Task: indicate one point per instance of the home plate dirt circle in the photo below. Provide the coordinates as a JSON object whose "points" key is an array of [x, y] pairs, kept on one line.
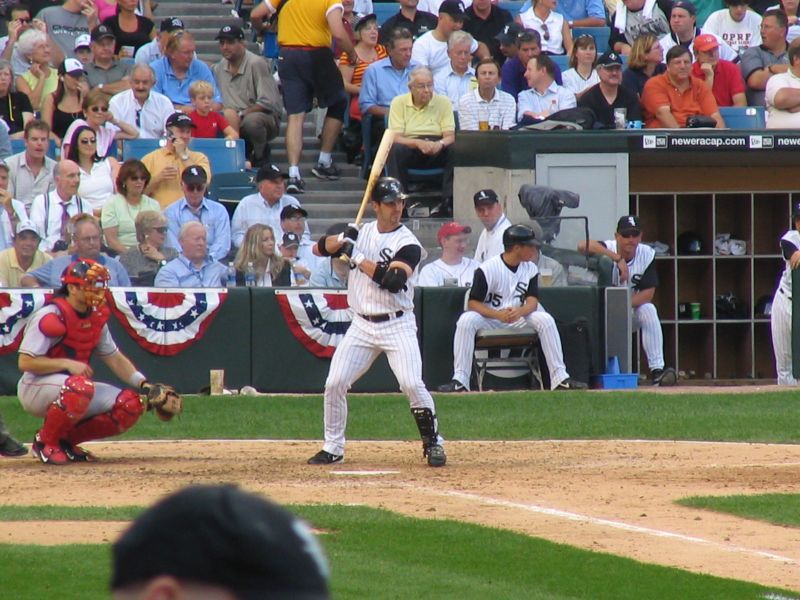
{"points": [[609, 496]]}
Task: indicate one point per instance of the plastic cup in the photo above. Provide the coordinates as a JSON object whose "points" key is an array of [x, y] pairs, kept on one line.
{"points": [[612, 368], [695, 311]]}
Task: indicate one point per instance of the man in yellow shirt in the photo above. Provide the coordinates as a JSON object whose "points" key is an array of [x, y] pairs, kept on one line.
{"points": [[168, 163], [23, 256], [307, 70], [425, 134]]}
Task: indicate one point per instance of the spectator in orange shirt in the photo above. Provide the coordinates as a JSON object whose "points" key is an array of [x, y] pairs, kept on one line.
{"points": [[721, 76], [668, 100]]}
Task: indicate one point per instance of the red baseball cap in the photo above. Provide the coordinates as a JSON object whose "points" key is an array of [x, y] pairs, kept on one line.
{"points": [[451, 228], [705, 42]]}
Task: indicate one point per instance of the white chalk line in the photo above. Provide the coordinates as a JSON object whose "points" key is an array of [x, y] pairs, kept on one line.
{"points": [[577, 517]]}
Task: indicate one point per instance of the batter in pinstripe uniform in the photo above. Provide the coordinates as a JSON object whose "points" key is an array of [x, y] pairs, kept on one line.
{"points": [[504, 294], [635, 267], [380, 290], [781, 314]]}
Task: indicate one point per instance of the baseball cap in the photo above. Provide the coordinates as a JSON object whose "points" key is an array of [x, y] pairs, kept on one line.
{"points": [[71, 66], [179, 119], [508, 34], [705, 42], [83, 41], [685, 5], [362, 22], [230, 32], [223, 536], [102, 31], [292, 210], [290, 240], [485, 197], [171, 24], [271, 172], [27, 225], [454, 8], [194, 174], [629, 224], [609, 58], [451, 228]]}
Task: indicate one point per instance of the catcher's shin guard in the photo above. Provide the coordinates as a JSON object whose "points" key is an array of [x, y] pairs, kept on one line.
{"points": [[123, 415], [62, 415]]}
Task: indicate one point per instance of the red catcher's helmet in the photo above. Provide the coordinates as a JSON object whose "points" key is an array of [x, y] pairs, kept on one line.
{"points": [[91, 277]]}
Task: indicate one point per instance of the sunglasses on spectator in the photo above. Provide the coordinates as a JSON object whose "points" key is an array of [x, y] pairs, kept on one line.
{"points": [[545, 33], [195, 187], [24, 20], [99, 109], [631, 234], [87, 141], [137, 178], [160, 229]]}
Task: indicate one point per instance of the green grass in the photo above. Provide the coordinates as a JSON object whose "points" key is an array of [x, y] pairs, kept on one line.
{"points": [[770, 417], [778, 509], [54, 512], [378, 554]]}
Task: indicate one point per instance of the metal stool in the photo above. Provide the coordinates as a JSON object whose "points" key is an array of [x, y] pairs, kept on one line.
{"points": [[524, 338]]}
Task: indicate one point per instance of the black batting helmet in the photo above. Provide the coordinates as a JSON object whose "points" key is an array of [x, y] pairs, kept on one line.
{"points": [[387, 189], [519, 234]]}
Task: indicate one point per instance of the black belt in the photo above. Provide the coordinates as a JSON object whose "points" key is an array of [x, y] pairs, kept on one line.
{"points": [[382, 318], [784, 293]]}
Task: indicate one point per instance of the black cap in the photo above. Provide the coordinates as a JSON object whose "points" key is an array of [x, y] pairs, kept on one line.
{"points": [[230, 32], [179, 119], [194, 174], [629, 224], [609, 58], [485, 197], [292, 210], [71, 66], [271, 172], [102, 31], [454, 8], [171, 24], [685, 5], [225, 537], [362, 22], [508, 34], [290, 239]]}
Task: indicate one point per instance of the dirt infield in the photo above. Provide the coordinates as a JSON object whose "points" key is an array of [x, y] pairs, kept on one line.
{"points": [[615, 497]]}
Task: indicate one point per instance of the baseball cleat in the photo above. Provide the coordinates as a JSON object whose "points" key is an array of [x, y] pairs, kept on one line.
{"points": [[571, 384], [76, 453], [325, 458], [49, 455], [664, 377], [435, 455], [11, 447], [454, 387]]}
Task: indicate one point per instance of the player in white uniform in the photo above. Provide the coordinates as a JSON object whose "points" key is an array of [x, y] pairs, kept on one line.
{"points": [[781, 314], [453, 268], [504, 294], [635, 267], [490, 212], [380, 290]]}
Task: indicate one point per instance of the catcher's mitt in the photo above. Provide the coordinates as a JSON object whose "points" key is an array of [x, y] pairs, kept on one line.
{"points": [[163, 399]]}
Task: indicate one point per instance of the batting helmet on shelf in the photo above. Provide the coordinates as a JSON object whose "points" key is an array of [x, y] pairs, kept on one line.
{"points": [[689, 243], [519, 234], [387, 189], [764, 306]]}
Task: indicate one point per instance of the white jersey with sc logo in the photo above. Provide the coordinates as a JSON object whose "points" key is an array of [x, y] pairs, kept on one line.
{"points": [[504, 287], [363, 294], [641, 261]]}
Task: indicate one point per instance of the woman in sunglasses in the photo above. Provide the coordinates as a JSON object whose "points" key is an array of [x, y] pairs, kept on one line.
{"points": [[97, 174], [107, 127], [121, 211], [552, 26], [64, 106], [148, 255]]}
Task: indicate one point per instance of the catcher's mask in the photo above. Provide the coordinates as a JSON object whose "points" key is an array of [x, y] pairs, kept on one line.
{"points": [[91, 277]]}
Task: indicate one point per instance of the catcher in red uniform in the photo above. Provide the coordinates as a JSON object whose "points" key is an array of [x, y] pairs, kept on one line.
{"points": [[57, 379]]}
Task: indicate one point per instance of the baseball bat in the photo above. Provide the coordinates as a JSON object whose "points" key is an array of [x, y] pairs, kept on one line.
{"points": [[378, 162]]}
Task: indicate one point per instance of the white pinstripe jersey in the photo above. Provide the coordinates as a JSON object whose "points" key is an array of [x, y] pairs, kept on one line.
{"points": [[504, 287], [644, 256], [792, 237], [363, 294]]}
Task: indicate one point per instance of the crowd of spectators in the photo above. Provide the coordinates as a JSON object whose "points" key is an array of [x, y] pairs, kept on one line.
{"points": [[84, 75]]}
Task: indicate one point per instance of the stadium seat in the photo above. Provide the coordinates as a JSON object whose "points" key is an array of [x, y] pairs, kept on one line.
{"points": [[743, 117], [138, 148], [511, 6], [230, 188], [384, 10], [561, 60], [18, 146], [600, 35], [224, 156]]}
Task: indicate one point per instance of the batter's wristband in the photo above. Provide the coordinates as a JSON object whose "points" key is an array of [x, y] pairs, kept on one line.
{"points": [[137, 379]]}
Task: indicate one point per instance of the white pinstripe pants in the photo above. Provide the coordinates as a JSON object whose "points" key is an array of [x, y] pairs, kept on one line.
{"points": [[645, 318], [470, 322], [362, 344], [780, 321]]}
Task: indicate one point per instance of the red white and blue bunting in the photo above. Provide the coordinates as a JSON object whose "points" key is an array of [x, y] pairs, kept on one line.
{"points": [[16, 309], [166, 322], [318, 319]]}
